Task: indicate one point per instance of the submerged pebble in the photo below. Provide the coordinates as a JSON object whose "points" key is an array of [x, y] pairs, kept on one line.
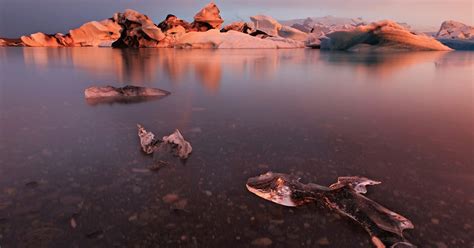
{"points": [[323, 241], [170, 198], [32, 184], [95, 234], [262, 242]]}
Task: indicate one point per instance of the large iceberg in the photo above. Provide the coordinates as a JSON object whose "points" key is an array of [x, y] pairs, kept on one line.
{"points": [[456, 35], [233, 39], [319, 31], [264, 33], [209, 15], [272, 27], [382, 35], [133, 29], [128, 29], [136, 30], [318, 27]]}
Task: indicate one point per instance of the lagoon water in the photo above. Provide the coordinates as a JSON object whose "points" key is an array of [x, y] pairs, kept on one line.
{"points": [[72, 173]]}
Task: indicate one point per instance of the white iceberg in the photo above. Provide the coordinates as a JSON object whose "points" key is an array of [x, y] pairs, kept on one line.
{"points": [[233, 39], [272, 27]]}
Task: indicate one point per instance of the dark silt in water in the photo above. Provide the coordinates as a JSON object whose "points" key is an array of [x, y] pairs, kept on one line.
{"points": [[72, 173]]}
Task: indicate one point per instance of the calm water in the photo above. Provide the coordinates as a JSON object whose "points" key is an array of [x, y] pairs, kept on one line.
{"points": [[404, 119]]}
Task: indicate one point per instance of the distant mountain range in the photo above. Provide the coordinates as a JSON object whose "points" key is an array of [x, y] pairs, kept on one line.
{"points": [[325, 20], [340, 21]]}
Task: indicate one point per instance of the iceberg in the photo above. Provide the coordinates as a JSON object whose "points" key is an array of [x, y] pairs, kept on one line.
{"points": [[133, 29], [318, 27], [456, 35], [380, 36], [266, 24], [345, 197], [455, 30], [319, 31], [242, 27], [128, 29], [136, 30], [208, 16], [127, 91], [272, 27], [233, 39]]}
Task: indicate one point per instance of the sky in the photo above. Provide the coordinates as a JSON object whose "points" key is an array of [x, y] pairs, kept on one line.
{"points": [[18, 17]]}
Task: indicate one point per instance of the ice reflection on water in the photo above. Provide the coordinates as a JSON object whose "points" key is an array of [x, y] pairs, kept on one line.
{"points": [[403, 119]]}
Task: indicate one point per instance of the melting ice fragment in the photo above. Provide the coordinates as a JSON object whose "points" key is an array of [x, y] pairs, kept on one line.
{"points": [[174, 142], [384, 226], [184, 147], [147, 140], [126, 91], [357, 183]]}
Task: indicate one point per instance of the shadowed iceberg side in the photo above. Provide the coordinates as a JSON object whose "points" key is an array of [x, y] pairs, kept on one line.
{"points": [[456, 35]]}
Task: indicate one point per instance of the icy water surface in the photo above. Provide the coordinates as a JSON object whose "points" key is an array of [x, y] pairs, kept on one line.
{"points": [[72, 173]]}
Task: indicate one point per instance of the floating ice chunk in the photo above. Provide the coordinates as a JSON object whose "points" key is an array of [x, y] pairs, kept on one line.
{"points": [[126, 91], [384, 226], [147, 140], [173, 143], [357, 183], [184, 147]]}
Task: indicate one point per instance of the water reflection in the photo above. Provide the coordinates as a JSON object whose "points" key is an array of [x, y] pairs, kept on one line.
{"points": [[403, 118], [142, 66], [119, 100], [456, 59], [382, 65]]}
